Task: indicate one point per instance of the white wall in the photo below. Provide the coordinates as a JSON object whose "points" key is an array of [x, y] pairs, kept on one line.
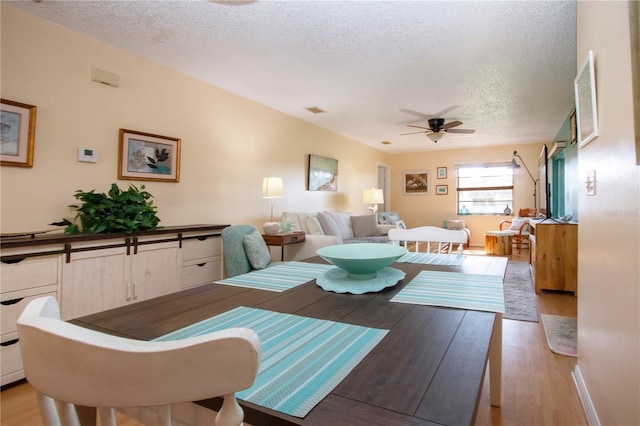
{"points": [[228, 143], [609, 230]]}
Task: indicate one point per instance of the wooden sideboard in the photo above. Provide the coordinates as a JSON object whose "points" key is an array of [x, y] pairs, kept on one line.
{"points": [[93, 273], [553, 256]]}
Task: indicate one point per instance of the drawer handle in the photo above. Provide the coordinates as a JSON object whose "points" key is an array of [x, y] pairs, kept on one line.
{"points": [[9, 342], [202, 264], [202, 238], [12, 260], [12, 301]]}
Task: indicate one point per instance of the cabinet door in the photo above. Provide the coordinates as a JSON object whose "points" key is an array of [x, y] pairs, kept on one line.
{"points": [[155, 271], [94, 281]]}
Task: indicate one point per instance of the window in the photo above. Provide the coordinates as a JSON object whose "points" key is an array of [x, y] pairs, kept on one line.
{"points": [[484, 188]]}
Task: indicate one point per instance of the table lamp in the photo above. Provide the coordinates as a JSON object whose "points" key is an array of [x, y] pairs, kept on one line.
{"points": [[272, 188], [373, 196]]}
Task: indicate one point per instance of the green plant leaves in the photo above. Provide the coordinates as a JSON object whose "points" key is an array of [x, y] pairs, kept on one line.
{"points": [[118, 211]]}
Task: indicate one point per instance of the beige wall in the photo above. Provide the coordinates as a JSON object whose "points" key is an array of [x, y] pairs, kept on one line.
{"points": [[609, 231], [228, 143], [432, 209]]}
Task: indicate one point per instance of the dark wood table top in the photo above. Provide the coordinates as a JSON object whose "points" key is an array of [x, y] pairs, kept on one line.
{"points": [[428, 370]]}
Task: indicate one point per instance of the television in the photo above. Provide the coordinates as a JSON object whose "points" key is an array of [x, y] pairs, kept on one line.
{"points": [[545, 185]]}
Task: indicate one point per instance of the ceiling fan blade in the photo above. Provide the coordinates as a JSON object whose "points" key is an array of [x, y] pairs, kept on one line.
{"points": [[413, 133], [460, 131], [418, 127], [451, 124]]}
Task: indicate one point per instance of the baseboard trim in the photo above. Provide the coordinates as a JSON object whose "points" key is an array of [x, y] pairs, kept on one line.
{"points": [[585, 398]]}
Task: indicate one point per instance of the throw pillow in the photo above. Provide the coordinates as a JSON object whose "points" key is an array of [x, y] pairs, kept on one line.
{"points": [[343, 220], [313, 224], [329, 226], [364, 226], [517, 223], [455, 224], [256, 250]]}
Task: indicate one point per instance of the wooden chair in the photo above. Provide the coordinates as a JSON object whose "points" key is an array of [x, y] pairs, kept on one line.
{"points": [[519, 228], [74, 369], [437, 240]]}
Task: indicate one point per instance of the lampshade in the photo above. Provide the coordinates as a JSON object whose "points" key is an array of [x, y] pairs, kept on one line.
{"points": [[373, 196], [514, 165], [272, 187], [435, 136]]}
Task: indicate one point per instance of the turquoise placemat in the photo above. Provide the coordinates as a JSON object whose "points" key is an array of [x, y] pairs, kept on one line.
{"points": [[433, 258], [454, 290], [303, 359], [280, 277]]}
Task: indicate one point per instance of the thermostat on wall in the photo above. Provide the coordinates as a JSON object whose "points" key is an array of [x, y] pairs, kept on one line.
{"points": [[88, 155]]}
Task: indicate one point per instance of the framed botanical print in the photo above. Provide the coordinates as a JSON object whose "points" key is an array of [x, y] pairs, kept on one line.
{"points": [[145, 156], [18, 125]]}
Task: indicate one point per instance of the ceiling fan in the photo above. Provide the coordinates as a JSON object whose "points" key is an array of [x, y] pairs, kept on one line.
{"points": [[437, 128]]}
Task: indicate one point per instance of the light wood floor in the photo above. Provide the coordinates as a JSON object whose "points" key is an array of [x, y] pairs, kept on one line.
{"points": [[537, 385]]}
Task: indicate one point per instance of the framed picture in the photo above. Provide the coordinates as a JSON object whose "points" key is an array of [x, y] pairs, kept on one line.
{"points": [[145, 156], [18, 125], [400, 224], [586, 105], [442, 173], [573, 129], [442, 189], [416, 182], [323, 173]]}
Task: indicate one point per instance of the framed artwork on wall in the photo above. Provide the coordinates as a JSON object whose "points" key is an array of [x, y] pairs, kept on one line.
{"points": [[586, 104], [18, 125], [145, 156], [416, 182], [323, 173], [573, 129], [442, 173], [442, 189]]}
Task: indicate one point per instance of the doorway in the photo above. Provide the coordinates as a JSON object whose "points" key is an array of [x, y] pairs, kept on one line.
{"points": [[384, 182]]}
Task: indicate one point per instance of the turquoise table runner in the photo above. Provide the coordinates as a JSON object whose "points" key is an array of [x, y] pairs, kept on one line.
{"points": [[454, 290], [280, 277], [303, 359], [433, 258]]}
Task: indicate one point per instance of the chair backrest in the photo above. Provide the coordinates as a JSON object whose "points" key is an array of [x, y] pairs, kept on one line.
{"points": [[236, 261], [75, 366], [437, 239], [527, 212]]}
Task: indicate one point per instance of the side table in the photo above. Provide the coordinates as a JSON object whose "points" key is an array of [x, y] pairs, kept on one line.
{"points": [[498, 242], [283, 240]]}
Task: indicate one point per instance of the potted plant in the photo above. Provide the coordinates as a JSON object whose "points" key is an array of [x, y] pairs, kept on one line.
{"points": [[117, 211]]}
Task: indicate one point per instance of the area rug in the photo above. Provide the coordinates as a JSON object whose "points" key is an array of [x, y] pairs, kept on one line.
{"points": [[280, 277], [454, 290], [562, 334], [519, 297], [302, 360]]}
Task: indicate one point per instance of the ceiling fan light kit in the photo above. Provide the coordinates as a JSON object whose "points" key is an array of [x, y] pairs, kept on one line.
{"points": [[437, 128]]}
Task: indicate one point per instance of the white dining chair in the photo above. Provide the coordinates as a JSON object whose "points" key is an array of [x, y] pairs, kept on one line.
{"points": [[76, 370], [436, 240]]}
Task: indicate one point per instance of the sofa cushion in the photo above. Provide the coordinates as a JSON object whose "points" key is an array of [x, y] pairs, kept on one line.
{"points": [[329, 226], [456, 225], [314, 227], [256, 250], [299, 220], [517, 223], [343, 220], [364, 226]]}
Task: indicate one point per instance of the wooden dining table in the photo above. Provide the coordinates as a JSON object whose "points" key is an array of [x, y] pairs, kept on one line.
{"points": [[429, 369]]}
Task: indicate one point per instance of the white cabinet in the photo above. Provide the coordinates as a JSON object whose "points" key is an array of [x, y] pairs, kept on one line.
{"points": [[92, 273], [201, 260], [23, 279], [97, 280]]}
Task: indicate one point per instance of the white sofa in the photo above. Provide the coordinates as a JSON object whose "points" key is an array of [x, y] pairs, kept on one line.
{"points": [[330, 228]]}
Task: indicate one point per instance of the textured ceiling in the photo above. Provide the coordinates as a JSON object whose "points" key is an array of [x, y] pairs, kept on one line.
{"points": [[504, 68]]}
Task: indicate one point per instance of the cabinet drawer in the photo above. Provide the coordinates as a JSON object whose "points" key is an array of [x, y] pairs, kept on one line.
{"points": [[10, 310], [204, 272], [30, 272], [201, 248], [11, 361]]}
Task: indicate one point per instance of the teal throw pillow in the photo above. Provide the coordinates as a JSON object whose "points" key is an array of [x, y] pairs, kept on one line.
{"points": [[256, 250]]}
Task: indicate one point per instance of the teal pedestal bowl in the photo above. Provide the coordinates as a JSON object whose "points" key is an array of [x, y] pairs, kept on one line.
{"points": [[362, 261]]}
